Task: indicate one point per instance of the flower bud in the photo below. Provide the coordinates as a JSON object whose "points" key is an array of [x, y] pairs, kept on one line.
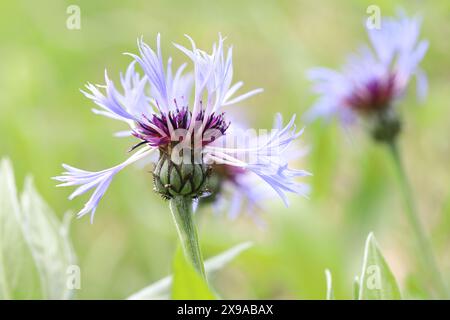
{"points": [[386, 127], [184, 179], [214, 184]]}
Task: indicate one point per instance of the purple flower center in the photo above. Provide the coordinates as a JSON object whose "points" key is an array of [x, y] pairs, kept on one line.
{"points": [[164, 129], [375, 95]]}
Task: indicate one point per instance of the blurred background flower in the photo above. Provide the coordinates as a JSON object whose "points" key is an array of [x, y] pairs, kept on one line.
{"points": [[44, 120], [372, 80]]}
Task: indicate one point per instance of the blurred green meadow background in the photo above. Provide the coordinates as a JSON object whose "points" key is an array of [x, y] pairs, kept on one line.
{"points": [[46, 121]]}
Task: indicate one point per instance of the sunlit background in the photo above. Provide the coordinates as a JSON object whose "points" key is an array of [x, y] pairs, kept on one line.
{"points": [[46, 121]]}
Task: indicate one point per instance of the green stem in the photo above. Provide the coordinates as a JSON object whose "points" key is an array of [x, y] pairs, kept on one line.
{"points": [[413, 217], [181, 208]]}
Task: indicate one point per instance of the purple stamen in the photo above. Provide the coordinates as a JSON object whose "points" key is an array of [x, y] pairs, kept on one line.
{"points": [[376, 94], [180, 118]]}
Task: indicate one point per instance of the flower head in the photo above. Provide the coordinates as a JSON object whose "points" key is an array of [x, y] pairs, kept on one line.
{"points": [[374, 78], [234, 190], [158, 130], [189, 131]]}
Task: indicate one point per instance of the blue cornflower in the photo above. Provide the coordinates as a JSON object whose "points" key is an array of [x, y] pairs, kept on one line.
{"points": [[373, 80], [192, 142], [235, 190]]}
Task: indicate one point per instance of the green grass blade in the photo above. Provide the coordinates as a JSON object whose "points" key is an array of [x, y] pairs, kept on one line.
{"points": [[330, 294], [377, 281], [49, 243], [356, 288], [160, 289], [18, 276], [187, 282]]}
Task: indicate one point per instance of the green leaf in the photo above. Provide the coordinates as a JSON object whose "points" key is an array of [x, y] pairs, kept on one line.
{"points": [[160, 289], [187, 282], [35, 249], [330, 294], [18, 276], [48, 241], [356, 288], [377, 281], [221, 260]]}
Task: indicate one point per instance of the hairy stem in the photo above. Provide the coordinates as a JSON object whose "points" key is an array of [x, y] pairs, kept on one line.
{"points": [[422, 241], [181, 208]]}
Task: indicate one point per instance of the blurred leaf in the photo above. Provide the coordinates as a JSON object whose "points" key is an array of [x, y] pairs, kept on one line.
{"points": [[48, 241], [356, 288], [218, 262], [187, 283], [377, 281], [330, 294], [35, 250], [160, 289], [18, 278]]}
